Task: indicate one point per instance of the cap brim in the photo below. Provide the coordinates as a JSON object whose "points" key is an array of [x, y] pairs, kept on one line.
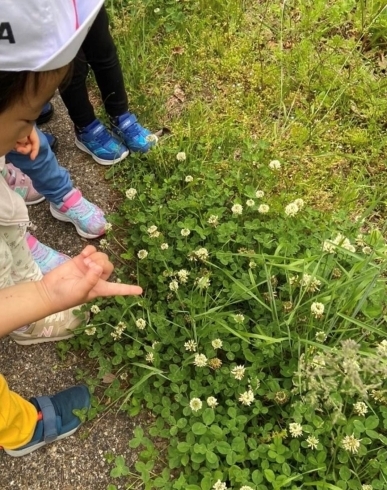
{"points": [[69, 50]]}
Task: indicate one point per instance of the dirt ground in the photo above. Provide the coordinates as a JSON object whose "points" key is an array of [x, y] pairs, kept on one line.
{"points": [[76, 463]]}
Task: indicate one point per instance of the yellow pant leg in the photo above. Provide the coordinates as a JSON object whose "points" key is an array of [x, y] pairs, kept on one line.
{"points": [[18, 418]]}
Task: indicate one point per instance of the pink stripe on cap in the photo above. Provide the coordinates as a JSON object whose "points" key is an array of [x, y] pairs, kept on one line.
{"points": [[76, 15]]}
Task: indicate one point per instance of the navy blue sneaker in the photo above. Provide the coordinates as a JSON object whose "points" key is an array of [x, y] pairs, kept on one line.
{"points": [[132, 134], [55, 418], [96, 140], [52, 141], [46, 114]]}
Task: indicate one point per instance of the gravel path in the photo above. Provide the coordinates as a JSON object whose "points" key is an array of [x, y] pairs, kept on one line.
{"points": [[76, 463]]}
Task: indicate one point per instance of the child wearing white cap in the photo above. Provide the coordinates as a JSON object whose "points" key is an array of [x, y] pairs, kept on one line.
{"points": [[45, 44]]}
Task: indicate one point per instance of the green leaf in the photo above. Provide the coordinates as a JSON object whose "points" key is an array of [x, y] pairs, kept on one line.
{"points": [[211, 457], [199, 429], [345, 474], [371, 422], [238, 444], [208, 416], [183, 447], [269, 475], [223, 447]]}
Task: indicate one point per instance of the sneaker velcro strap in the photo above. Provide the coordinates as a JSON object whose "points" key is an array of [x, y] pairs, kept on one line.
{"points": [[50, 432]]}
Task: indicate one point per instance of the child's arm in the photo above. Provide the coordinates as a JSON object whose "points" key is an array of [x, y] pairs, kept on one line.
{"points": [[29, 145], [79, 280]]}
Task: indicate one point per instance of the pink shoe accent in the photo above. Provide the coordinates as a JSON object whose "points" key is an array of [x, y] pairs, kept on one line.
{"points": [[70, 200]]}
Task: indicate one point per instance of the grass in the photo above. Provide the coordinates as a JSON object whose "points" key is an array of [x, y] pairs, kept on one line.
{"points": [[306, 78]]}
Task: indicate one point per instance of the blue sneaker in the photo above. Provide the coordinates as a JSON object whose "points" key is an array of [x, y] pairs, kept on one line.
{"points": [[55, 418], [135, 137], [96, 140], [46, 114]]}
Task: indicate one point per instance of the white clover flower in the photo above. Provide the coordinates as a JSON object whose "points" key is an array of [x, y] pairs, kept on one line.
{"points": [[238, 372], [151, 230], [310, 283], [329, 247], [124, 376], [195, 404], [295, 429], [142, 254], [219, 485], [131, 193], [300, 203], [259, 194], [150, 357], [381, 348], [213, 220], [118, 331], [217, 344], [203, 282], [190, 345], [202, 253], [140, 323], [351, 444], [291, 209], [321, 336], [237, 209], [108, 227], [263, 208], [103, 243], [317, 309], [275, 165], [174, 285], [90, 331], [164, 246], [152, 138], [212, 402], [247, 398], [185, 232], [189, 178], [183, 275], [246, 487], [250, 203], [366, 487], [344, 242], [154, 343], [181, 156], [156, 10], [95, 309], [312, 442], [200, 360], [367, 250], [360, 408], [252, 264], [239, 318]]}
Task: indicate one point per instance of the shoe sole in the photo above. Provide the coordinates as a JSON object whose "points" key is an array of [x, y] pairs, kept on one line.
{"points": [[28, 450], [43, 119], [40, 340], [37, 201], [82, 147], [62, 217]]}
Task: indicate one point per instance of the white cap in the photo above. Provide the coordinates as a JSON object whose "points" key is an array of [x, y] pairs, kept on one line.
{"points": [[41, 35]]}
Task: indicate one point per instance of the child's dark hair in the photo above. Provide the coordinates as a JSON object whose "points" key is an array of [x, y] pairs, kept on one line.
{"points": [[13, 85]]}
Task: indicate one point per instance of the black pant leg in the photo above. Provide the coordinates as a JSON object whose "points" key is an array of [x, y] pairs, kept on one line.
{"points": [[75, 95], [101, 54]]}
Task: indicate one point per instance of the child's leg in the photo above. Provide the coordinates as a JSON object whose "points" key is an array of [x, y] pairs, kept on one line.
{"points": [[49, 178], [18, 418], [27, 425], [54, 183]]}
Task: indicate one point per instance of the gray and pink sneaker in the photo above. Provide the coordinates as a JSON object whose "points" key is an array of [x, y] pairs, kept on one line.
{"points": [[21, 184], [88, 219]]}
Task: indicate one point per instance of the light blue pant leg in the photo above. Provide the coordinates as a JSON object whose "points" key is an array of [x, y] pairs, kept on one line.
{"points": [[48, 177]]}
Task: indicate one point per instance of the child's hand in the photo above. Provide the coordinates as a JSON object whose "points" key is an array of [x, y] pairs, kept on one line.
{"points": [[29, 145], [82, 279]]}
